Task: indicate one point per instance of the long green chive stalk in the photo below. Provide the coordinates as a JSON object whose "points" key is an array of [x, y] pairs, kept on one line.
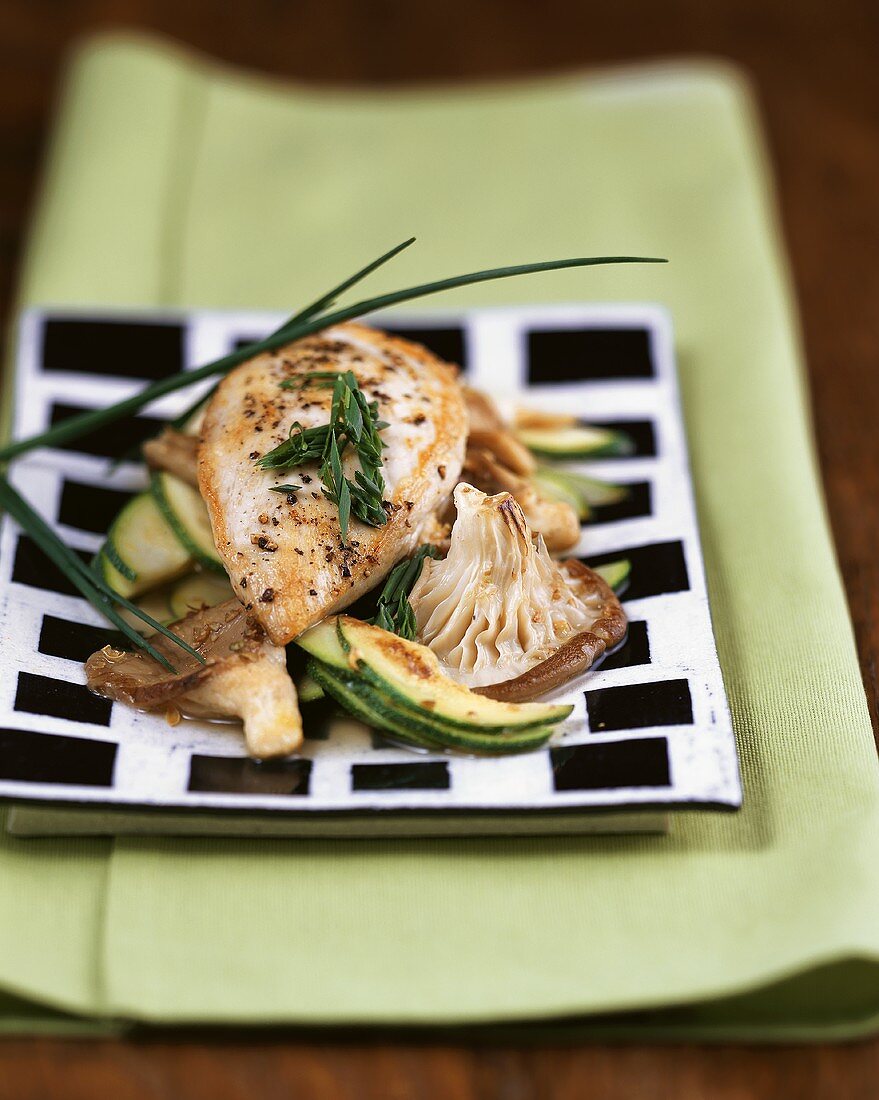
{"points": [[75, 426], [324, 302], [308, 320], [98, 593]]}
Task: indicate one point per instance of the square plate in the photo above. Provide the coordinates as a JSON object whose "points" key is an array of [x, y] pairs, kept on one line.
{"points": [[651, 727]]}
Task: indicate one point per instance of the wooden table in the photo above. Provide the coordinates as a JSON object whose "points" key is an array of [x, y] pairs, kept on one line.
{"points": [[815, 69]]}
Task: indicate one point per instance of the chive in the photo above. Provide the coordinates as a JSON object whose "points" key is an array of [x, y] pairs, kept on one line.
{"points": [[75, 426], [69, 564], [329, 298], [303, 315], [92, 586]]}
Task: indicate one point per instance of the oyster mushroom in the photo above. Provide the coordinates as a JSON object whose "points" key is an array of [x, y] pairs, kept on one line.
{"points": [[243, 676], [555, 520], [489, 431], [496, 462], [501, 615]]}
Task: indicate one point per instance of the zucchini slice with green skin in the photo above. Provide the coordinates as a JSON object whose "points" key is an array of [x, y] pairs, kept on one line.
{"points": [[598, 493], [615, 574], [322, 642], [581, 441], [591, 492], [376, 709], [410, 676], [308, 689], [141, 551], [199, 590], [558, 488], [187, 516], [348, 692]]}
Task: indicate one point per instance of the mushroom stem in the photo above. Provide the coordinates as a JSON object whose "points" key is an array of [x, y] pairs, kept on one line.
{"points": [[571, 659], [577, 655]]}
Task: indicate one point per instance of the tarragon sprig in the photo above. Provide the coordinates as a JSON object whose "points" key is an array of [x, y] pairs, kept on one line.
{"points": [[353, 422], [393, 611], [314, 317]]}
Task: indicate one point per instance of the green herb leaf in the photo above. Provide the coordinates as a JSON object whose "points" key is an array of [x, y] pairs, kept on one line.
{"points": [[393, 610], [353, 422], [85, 579]]}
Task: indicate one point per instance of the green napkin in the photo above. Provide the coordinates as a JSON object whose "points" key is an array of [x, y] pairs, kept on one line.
{"points": [[175, 182]]}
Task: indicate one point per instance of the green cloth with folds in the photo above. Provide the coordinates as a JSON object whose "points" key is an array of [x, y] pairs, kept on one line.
{"points": [[172, 182]]}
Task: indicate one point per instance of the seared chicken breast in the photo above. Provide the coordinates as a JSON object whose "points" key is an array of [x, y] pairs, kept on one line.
{"points": [[284, 552]]}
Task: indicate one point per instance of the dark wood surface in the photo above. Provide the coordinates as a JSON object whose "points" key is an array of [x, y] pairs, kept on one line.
{"points": [[817, 77]]}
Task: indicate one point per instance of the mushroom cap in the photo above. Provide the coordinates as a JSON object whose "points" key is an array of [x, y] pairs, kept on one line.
{"points": [[498, 605], [243, 675]]}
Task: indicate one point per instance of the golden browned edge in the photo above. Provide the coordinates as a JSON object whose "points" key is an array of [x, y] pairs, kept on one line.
{"points": [[578, 654]]}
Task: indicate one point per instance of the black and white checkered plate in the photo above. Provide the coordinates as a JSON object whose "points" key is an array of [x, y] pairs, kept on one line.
{"points": [[651, 726]]}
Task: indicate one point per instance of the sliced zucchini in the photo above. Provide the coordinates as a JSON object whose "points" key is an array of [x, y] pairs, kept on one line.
{"points": [[615, 573], [558, 488], [581, 492], [141, 550], [322, 641], [199, 590], [375, 708], [594, 492], [308, 689], [409, 675], [348, 692], [187, 516], [582, 441], [599, 493]]}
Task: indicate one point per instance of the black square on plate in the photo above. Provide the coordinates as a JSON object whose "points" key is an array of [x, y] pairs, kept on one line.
{"points": [[90, 507], [637, 503], [122, 437], [640, 432], [657, 569], [635, 650], [60, 699], [577, 354], [446, 341], [241, 775], [637, 706], [126, 349], [318, 718], [28, 757], [73, 641], [641, 762], [33, 568], [417, 776]]}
